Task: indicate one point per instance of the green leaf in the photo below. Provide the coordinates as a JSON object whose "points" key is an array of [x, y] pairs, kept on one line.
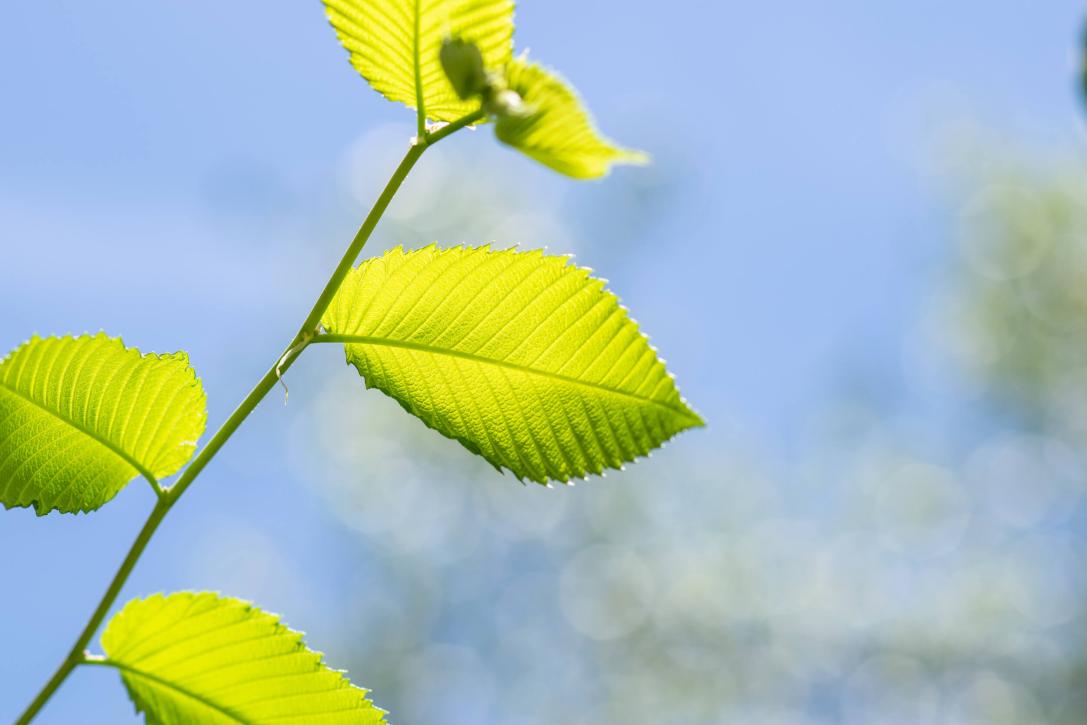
{"points": [[202, 658], [557, 131], [80, 417], [396, 44], [523, 358]]}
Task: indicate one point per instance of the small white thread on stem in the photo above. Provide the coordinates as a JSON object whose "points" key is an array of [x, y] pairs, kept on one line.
{"points": [[294, 350]]}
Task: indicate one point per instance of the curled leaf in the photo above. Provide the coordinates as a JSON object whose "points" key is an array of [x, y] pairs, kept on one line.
{"points": [[557, 130]]}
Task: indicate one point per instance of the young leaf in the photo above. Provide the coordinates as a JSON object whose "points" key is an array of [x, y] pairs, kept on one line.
{"points": [[396, 45], [523, 358], [195, 658], [80, 417], [557, 130], [463, 65]]}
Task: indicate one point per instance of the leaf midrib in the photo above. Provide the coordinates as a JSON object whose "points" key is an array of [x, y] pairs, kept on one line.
{"points": [[420, 101], [109, 445], [210, 704], [422, 347]]}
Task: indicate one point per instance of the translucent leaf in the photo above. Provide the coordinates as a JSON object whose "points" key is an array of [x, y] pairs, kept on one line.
{"points": [[396, 44], [80, 417], [523, 358], [557, 131], [197, 658]]}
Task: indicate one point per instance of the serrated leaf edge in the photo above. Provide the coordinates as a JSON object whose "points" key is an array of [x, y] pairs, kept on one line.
{"points": [[247, 607], [141, 470], [687, 410]]}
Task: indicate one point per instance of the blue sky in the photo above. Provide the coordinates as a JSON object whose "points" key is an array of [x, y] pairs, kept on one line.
{"points": [[173, 172]]}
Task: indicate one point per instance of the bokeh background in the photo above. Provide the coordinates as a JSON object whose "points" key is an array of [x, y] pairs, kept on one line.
{"points": [[862, 249]]}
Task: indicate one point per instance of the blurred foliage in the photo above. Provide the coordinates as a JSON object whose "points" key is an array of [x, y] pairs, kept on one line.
{"points": [[1022, 299], [695, 590], [865, 583]]}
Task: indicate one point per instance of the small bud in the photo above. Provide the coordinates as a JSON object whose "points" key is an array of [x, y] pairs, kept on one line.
{"points": [[463, 65]]}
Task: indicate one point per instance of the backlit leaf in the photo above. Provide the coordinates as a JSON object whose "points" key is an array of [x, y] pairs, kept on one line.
{"points": [[557, 131], [396, 44], [80, 417], [522, 357], [197, 658]]}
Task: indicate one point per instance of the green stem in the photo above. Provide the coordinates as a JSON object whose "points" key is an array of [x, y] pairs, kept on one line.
{"points": [[361, 237], [155, 486], [75, 655], [432, 138], [170, 496]]}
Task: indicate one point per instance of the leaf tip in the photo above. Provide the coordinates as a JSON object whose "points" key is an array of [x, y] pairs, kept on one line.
{"points": [[633, 157]]}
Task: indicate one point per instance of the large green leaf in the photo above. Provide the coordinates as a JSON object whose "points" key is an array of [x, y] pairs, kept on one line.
{"points": [[395, 45], [198, 658], [80, 417], [523, 358], [557, 130]]}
